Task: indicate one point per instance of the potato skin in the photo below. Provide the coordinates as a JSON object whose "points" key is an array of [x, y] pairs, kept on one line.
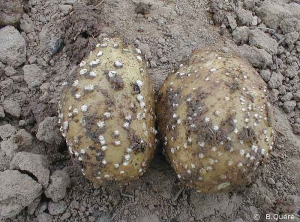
{"points": [[215, 121], [107, 114]]}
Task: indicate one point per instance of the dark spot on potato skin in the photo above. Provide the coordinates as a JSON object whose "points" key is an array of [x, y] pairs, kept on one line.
{"points": [[213, 137], [173, 97], [227, 144], [95, 170], [74, 90], [136, 144], [228, 123], [109, 102], [90, 121], [133, 108], [191, 176], [136, 89], [196, 104], [116, 81], [233, 86], [104, 92], [93, 136], [171, 123], [250, 97], [247, 135], [114, 136], [88, 76], [91, 128], [92, 148], [85, 156], [100, 155], [196, 107], [77, 139], [204, 130]]}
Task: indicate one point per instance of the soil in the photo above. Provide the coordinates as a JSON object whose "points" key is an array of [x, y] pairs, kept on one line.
{"points": [[59, 33]]}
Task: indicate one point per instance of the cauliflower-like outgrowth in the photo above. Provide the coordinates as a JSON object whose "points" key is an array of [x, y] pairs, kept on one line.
{"points": [[107, 113], [215, 121]]}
